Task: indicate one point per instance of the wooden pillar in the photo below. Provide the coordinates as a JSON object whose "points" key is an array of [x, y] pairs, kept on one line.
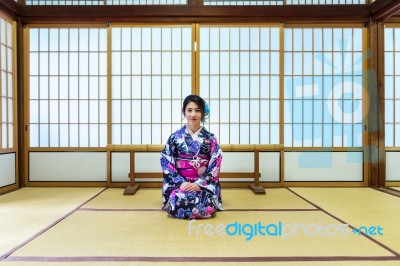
{"points": [[375, 127], [20, 102], [381, 105]]}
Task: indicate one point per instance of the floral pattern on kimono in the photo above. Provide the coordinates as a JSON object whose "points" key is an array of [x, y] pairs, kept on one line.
{"points": [[186, 160]]}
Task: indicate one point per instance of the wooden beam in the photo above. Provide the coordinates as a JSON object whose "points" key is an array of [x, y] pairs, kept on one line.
{"points": [[383, 9], [393, 19], [195, 2], [10, 8], [194, 13], [222, 175]]}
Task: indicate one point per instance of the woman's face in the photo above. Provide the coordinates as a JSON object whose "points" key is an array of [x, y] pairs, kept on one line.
{"points": [[193, 116]]}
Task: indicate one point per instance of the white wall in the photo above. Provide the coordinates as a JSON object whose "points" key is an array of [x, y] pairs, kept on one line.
{"points": [[7, 169], [145, 162], [91, 166], [68, 166], [392, 166], [270, 166], [323, 166]]}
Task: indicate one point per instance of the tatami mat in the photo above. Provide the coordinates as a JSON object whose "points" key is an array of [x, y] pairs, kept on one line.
{"points": [[276, 198], [93, 226], [153, 234], [360, 207], [27, 211]]}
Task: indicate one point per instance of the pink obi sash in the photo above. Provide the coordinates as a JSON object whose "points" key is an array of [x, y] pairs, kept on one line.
{"points": [[191, 167]]}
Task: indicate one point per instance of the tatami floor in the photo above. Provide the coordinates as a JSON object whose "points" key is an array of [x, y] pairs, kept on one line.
{"points": [[287, 226]]}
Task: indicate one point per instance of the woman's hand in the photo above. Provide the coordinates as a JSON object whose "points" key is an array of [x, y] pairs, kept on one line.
{"points": [[189, 187]]}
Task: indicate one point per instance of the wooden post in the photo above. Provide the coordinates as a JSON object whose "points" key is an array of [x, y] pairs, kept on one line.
{"points": [[256, 188], [132, 187]]}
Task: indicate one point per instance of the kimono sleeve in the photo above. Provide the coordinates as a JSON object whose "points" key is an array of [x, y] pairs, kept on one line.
{"points": [[172, 179], [210, 179]]}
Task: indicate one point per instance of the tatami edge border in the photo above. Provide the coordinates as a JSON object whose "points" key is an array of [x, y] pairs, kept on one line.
{"points": [[204, 259], [389, 191], [226, 210]]}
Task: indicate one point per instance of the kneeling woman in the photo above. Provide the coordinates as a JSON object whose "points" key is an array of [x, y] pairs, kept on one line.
{"points": [[191, 162]]}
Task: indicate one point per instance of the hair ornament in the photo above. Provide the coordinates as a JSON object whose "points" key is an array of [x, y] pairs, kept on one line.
{"points": [[206, 109]]}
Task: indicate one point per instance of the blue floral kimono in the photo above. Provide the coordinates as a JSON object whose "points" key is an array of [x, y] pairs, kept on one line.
{"points": [[187, 160]]}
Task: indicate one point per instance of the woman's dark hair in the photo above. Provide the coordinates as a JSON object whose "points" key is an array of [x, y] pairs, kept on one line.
{"points": [[203, 106]]}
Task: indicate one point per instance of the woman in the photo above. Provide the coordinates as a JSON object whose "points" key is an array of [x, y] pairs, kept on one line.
{"points": [[191, 162]]}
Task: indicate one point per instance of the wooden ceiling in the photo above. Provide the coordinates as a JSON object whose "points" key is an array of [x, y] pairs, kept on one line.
{"points": [[380, 10]]}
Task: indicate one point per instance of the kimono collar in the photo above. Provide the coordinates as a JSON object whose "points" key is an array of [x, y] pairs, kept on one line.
{"points": [[195, 135]]}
